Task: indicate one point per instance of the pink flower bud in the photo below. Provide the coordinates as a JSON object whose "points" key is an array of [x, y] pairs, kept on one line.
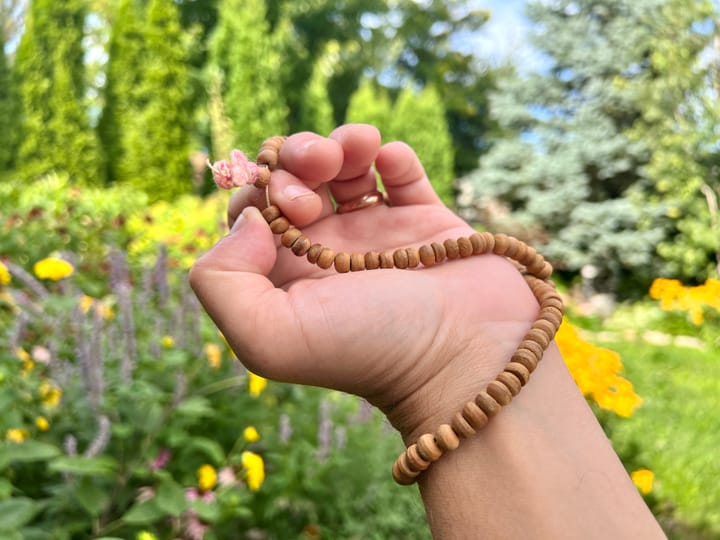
{"points": [[222, 174]]}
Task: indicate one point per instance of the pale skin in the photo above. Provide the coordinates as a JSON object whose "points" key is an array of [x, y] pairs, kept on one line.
{"points": [[415, 343]]}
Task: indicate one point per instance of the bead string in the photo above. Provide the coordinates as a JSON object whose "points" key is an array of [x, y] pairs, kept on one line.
{"points": [[474, 414]]}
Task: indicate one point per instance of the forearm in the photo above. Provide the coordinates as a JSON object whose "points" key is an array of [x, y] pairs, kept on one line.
{"points": [[542, 468]]}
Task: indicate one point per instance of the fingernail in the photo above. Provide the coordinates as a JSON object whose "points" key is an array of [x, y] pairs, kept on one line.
{"points": [[296, 191]]}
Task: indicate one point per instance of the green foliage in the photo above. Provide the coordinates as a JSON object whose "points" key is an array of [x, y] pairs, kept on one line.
{"points": [[9, 117], [370, 104], [55, 133], [316, 112], [679, 118], [246, 56], [156, 133], [419, 120], [566, 164]]}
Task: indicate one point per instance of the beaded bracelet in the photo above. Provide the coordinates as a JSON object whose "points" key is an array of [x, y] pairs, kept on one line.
{"points": [[474, 414]]}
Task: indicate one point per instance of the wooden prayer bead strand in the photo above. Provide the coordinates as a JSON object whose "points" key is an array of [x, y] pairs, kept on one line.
{"points": [[271, 213], [446, 438], [474, 415], [415, 460], [357, 262], [511, 382], [428, 448], [452, 249], [465, 247], [427, 255], [461, 426]]}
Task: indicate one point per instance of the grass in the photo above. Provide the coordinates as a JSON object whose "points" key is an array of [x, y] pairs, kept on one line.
{"points": [[676, 434]]}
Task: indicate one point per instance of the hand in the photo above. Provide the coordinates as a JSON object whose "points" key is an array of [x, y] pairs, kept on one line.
{"points": [[416, 343]]}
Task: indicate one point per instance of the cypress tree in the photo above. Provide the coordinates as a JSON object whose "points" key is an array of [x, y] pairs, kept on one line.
{"points": [[8, 116], [245, 54], [370, 104], [156, 135], [419, 120], [55, 128]]}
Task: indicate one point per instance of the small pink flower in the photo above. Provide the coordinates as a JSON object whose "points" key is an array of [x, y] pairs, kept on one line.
{"points": [[226, 477], [243, 171], [144, 494], [191, 494], [161, 460], [222, 174], [193, 528]]}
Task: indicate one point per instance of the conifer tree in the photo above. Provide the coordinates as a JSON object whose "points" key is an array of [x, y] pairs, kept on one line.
{"points": [[370, 104], [156, 136], [419, 120], [567, 164], [316, 112], [245, 53], [8, 116], [55, 130]]}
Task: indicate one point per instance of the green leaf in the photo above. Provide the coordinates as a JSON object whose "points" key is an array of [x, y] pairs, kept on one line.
{"points": [[91, 498], [5, 489], [143, 513], [209, 512], [195, 406], [27, 451], [14, 513], [97, 466], [210, 448], [171, 498]]}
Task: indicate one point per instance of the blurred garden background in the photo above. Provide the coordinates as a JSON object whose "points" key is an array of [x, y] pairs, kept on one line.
{"points": [[592, 133]]}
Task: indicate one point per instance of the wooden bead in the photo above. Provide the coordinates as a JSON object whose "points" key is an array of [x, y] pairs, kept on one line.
{"points": [[499, 392], [342, 263], [273, 143], [552, 315], [415, 460], [546, 326], [386, 259], [446, 438], [301, 246], [451, 249], [461, 426], [288, 237], [478, 243], [529, 256], [428, 448], [512, 247], [326, 258], [465, 246], [520, 371], [400, 258], [510, 381], [439, 251], [402, 474], [501, 244], [553, 302], [536, 266], [489, 242], [269, 157], [546, 271], [427, 255], [534, 347], [271, 213], [521, 251], [538, 336], [487, 404], [279, 225], [313, 253], [357, 262], [526, 358], [263, 177], [372, 260], [413, 257], [474, 415]]}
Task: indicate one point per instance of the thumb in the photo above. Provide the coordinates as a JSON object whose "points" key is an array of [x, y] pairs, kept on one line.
{"points": [[232, 285]]}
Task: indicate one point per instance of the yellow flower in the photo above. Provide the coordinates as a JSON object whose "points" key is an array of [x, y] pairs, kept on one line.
{"points": [[50, 394], [256, 384], [22, 354], [254, 469], [250, 434], [4, 274], [42, 423], [207, 477], [214, 355], [86, 303], [167, 342], [145, 535], [16, 435], [643, 479], [53, 268]]}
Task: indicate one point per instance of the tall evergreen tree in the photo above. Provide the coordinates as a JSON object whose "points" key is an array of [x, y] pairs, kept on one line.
{"points": [[9, 117], [371, 104], [316, 112], [122, 81], [55, 127], [419, 120], [567, 163], [246, 55], [680, 114], [156, 136]]}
